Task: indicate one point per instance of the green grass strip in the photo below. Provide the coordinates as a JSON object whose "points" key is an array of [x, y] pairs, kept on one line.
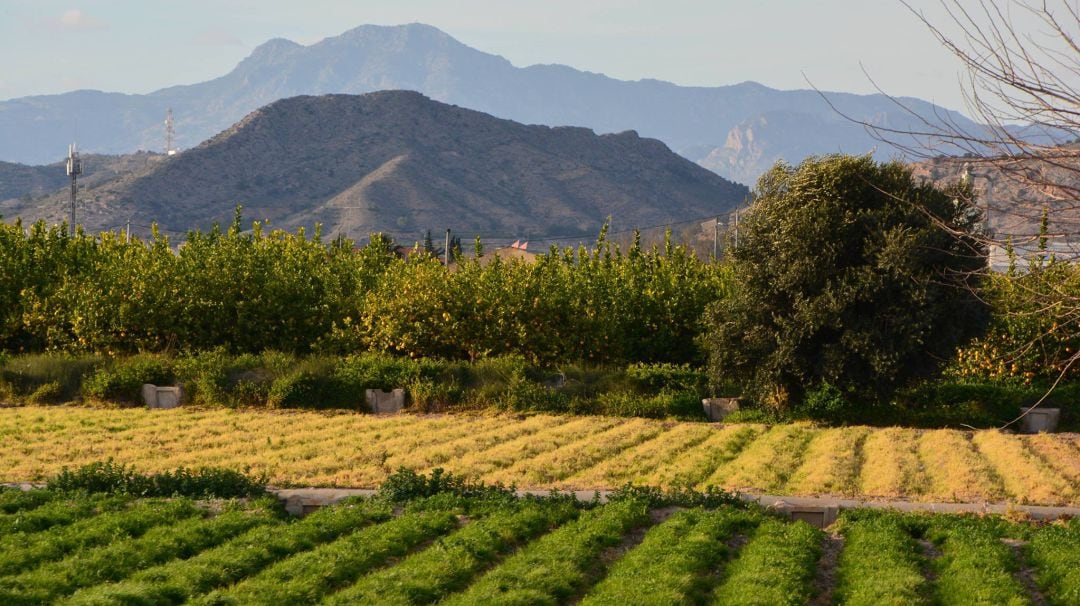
{"points": [[450, 563], [775, 568], [555, 567], [672, 563], [178, 581], [119, 560], [307, 577], [976, 568], [1055, 552], [14, 500], [880, 565], [21, 551], [58, 512]]}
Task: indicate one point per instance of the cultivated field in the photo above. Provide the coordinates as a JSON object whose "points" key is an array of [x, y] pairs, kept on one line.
{"points": [[352, 450], [101, 550]]}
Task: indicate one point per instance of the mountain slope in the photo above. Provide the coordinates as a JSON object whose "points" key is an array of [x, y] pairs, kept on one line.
{"points": [[693, 120], [397, 161]]}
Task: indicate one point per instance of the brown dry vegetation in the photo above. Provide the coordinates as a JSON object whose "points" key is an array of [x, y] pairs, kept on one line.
{"points": [[542, 451]]}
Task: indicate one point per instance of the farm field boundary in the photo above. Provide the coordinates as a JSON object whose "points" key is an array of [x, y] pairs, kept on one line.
{"points": [[450, 548], [315, 449]]}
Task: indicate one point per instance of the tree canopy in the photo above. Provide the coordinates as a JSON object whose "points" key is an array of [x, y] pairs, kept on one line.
{"points": [[848, 274]]}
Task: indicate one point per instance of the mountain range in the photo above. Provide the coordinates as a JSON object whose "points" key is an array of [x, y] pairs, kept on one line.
{"points": [[392, 161], [738, 131]]}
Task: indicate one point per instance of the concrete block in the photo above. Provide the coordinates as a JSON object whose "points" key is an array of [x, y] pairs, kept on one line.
{"points": [[716, 409], [380, 402], [1040, 420], [818, 516], [155, 396]]}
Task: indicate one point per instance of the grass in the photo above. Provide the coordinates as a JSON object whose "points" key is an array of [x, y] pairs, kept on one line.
{"points": [[542, 452], [975, 568], [178, 581], [891, 464], [776, 568], [696, 464], [115, 562], [309, 576], [1055, 552], [450, 563], [636, 464], [20, 551], [956, 470], [437, 539], [673, 562], [766, 464], [831, 463], [1023, 472], [880, 564], [554, 568]]}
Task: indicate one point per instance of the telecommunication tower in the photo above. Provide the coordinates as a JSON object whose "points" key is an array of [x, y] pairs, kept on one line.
{"points": [[74, 169], [169, 133]]}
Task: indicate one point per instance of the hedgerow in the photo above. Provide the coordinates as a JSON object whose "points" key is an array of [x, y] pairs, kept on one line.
{"points": [[256, 291]]}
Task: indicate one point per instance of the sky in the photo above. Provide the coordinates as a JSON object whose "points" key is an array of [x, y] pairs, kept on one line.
{"points": [[137, 46]]}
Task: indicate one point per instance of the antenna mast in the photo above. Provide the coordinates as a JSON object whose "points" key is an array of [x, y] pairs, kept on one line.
{"points": [[169, 133], [74, 169]]}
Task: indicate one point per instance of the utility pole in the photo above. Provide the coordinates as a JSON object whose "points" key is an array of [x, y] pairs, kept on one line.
{"points": [[446, 250], [169, 133], [736, 228], [127, 232], [716, 239], [74, 169]]}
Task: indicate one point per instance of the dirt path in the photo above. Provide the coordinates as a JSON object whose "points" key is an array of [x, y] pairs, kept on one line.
{"points": [[1025, 574], [825, 578]]}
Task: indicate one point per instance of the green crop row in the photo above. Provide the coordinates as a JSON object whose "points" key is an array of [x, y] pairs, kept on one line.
{"points": [[117, 561], [672, 564], [307, 577], [178, 581], [880, 565], [1055, 551], [14, 500], [553, 568], [451, 562], [975, 567], [775, 568], [56, 512], [21, 551]]}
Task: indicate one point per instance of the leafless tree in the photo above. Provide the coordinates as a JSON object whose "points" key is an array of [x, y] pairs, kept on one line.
{"points": [[1020, 63]]}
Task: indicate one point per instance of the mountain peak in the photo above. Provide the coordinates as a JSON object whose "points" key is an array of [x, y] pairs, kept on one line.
{"points": [[274, 47]]}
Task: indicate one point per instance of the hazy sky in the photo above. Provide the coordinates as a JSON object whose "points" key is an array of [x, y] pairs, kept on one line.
{"points": [[135, 46]]}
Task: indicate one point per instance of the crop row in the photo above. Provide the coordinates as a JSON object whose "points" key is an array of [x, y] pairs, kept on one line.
{"points": [[551, 452], [463, 551]]}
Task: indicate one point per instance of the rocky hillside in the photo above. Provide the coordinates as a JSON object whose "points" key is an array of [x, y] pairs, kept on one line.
{"points": [[399, 162], [712, 124], [1017, 192]]}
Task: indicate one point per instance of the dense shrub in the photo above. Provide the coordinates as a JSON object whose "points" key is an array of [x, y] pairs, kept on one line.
{"points": [[1033, 333], [253, 291], [122, 379], [116, 478], [666, 404], [314, 384], [45, 378]]}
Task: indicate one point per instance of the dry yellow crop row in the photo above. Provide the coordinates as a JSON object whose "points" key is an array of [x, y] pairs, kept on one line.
{"points": [[348, 449], [891, 464]]}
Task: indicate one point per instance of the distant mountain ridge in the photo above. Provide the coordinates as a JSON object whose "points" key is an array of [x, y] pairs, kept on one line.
{"points": [[397, 161], [700, 122]]}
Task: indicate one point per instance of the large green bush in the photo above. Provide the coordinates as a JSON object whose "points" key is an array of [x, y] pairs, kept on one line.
{"points": [[849, 273]]}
